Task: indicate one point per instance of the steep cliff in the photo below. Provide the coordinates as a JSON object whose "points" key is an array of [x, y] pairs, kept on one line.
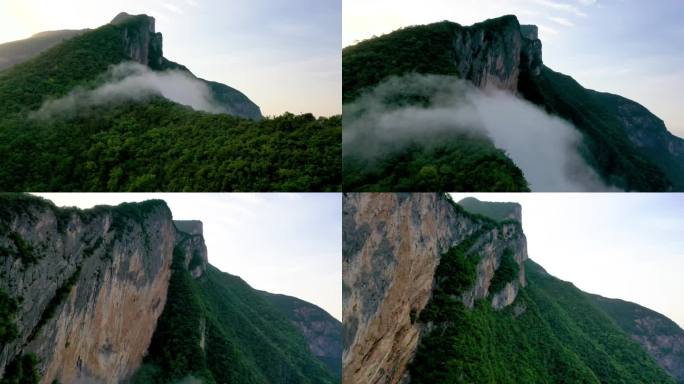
{"points": [[392, 247], [322, 331], [662, 338], [141, 42], [491, 54], [126, 294], [90, 285], [628, 146], [433, 293]]}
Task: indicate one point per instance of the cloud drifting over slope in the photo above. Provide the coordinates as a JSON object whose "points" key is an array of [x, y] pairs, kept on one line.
{"points": [[427, 108], [135, 82]]}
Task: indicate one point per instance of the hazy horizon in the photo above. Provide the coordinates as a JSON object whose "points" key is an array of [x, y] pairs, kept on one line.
{"points": [[285, 243], [618, 245], [284, 55], [625, 47]]}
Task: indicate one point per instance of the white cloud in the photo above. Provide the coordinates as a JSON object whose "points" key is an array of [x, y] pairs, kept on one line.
{"points": [[559, 6], [562, 21]]}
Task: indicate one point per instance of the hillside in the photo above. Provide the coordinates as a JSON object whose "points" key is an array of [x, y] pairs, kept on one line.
{"points": [[126, 294], [16, 52], [450, 296], [93, 114], [323, 332], [627, 146], [662, 338], [494, 210]]}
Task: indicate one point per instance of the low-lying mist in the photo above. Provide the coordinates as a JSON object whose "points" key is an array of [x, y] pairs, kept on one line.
{"points": [[133, 81], [426, 109]]}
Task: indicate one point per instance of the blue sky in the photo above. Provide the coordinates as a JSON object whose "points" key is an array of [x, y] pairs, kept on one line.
{"points": [[288, 243], [628, 47], [624, 245], [283, 54]]}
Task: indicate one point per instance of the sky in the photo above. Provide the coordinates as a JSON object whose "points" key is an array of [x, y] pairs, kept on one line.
{"points": [[283, 54], [628, 47], [288, 243], [623, 245]]}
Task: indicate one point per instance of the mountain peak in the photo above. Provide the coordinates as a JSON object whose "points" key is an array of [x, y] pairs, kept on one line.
{"points": [[124, 17]]}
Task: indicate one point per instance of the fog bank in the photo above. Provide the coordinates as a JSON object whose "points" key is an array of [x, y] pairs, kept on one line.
{"points": [[131, 81], [425, 109]]}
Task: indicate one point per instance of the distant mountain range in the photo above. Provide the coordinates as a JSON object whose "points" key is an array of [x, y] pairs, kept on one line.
{"points": [[126, 294], [626, 145]]}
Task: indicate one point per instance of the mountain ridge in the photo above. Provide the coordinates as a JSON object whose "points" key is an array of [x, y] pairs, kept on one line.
{"points": [[466, 304], [496, 53], [114, 294]]}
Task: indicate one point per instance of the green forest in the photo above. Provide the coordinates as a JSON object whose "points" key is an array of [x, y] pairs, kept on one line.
{"points": [[150, 145], [552, 333], [429, 49], [220, 330]]}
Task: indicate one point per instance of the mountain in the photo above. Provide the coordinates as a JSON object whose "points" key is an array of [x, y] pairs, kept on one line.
{"points": [[660, 336], [16, 52], [492, 210], [323, 332], [126, 294], [622, 141], [97, 113], [433, 293]]}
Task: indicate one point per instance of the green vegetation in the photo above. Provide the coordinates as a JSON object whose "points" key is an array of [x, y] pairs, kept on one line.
{"points": [[22, 370], [494, 210], [150, 145], [459, 164], [300, 311], [430, 49], [455, 273], [552, 333], [8, 309], [417, 49], [507, 271], [608, 149], [218, 329], [24, 249], [463, 162]]}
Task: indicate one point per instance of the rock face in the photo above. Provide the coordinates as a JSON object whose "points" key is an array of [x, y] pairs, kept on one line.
{"points": [[492, 54], [141, 43], [648, 133], [323, 332], [661, 337], [190, 241], [391, 247], [91, 284]]}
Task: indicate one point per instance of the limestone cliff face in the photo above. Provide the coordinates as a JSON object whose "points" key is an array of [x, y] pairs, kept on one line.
{"points": [[141, 43], [494, 53], [190, 241], [91, 285], [144, 45], [391, 247]]}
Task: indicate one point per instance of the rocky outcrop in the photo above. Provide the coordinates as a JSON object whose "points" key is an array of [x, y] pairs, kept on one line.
{"points": [[323, 332], [144, 45], [91, 285], [494, 53], [392, 245], [190, 241], [141, 43], [662, 338], [648, 133]]}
